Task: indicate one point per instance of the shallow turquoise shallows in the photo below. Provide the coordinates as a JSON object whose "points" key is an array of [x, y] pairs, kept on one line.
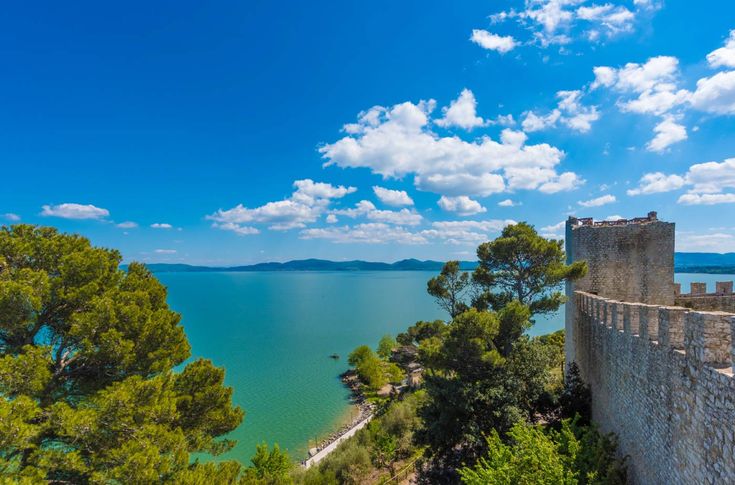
{"points": [[274, 332]]}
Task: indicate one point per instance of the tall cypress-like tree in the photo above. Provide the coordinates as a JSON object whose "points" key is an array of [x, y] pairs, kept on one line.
{"points": [[88, 391]]}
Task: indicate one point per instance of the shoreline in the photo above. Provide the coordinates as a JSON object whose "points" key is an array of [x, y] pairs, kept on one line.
{"points": [[365, 413]]}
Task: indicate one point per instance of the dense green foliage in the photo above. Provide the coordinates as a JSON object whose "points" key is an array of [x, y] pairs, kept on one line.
{"points": [[375, 452], [269, 467], [374, 371], [523, 266], [87, 388], [544, 456]]}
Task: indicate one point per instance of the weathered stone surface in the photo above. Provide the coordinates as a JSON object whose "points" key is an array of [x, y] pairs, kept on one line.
{"points": [[661, 375]]}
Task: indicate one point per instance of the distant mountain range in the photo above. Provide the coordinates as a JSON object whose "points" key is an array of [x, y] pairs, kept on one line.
{"points": [[684, 262]]}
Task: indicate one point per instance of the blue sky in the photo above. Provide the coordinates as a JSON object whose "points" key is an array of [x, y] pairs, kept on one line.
{"points": [[256, 131]]}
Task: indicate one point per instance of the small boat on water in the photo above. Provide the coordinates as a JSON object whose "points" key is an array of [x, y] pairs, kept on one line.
{"points": [[334, 356]]}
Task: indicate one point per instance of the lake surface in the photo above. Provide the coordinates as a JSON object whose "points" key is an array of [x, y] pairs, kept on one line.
{"points": [[274, 331]]}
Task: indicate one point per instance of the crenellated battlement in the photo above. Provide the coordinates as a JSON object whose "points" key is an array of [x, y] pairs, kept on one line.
{"points": [[704, 337], [723, 298], [589, 221]]}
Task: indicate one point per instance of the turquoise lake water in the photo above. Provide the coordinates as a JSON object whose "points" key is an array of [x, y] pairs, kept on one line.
{"points": [[274, 331]]}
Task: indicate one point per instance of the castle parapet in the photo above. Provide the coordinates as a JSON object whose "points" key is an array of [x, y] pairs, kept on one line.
{"points": [[722, 299], [705, 337]]}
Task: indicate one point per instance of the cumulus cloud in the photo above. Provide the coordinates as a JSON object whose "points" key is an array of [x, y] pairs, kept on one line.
{"points": [[369, 233], [331, 219], [569, 112], [461, 112], [553, 231], [667, 132], [656, 182], [706, 199], [367, 209], [599, 201], [9, 216], [714, 242], [396, 198], [74, 211], [398, 141], [561, 21], [238, 229], [708, 183], [465, 232], [724, 56], [461, 205], [494, 42], [307, 203], [716, 94], [161, 225], [165, 251], [507, 203]]}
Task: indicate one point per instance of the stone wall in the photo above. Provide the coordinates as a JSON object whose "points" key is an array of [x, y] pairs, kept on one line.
{"points": [[723, 299], [662, 380]]}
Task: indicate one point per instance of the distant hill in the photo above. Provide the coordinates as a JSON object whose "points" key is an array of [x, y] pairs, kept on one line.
{"points": [[714, 263], [684, 262], [314, 265]]}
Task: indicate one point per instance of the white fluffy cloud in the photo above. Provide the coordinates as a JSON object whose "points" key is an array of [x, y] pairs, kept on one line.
{"points": [[74, 211], [668, 132], [450, 232], [398, 141], [165, 251], [706, 199], [238, 229], [656, 182], [569, 112], [561, 21], [307, 203], [708, 183], [494, 42], [716, 94], [367, 209], [715, 242], [507, 203], [724, 56], [369, 233], [461, 112], [599, 201], [9, 216], [395, 198], [461, 205], [465, 232], [161, 225], [554, 231], [127, 225]]}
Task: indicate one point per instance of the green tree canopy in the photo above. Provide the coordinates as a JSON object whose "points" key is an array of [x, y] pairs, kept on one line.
{"points": [[534, 455], [449, 289], [521, 265], [87, 388]]}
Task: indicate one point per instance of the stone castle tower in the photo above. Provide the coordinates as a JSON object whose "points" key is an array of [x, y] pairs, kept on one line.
{"points": [[628, 260], [661, 375]]}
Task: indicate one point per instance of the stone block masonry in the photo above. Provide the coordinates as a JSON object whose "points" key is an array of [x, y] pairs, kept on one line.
{"points": [[723, 299], [669, 395], [658, 362]]}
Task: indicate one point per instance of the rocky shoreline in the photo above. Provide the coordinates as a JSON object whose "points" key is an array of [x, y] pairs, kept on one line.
{"points": [[365, 408]]}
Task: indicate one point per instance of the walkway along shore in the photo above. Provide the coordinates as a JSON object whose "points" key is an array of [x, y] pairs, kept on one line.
{"points": [[367, 411], [334, 444]]}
